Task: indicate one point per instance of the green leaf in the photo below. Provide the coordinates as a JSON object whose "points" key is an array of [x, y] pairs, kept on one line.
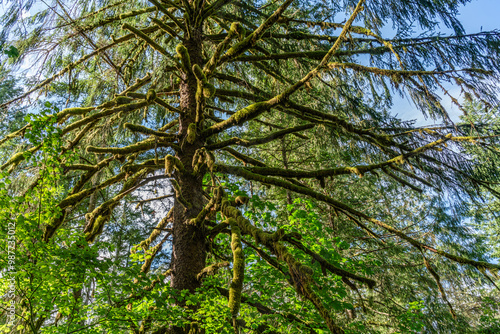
{"points": [[11, 52]]}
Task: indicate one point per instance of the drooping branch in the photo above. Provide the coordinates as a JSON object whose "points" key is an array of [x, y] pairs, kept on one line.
{"points": [[254, 110], [312, 115], [262, 309], [401, 180], [359, 170], [76, 63], [343, 207], [436, 277], [97, 218], [328, 266], [156, 231], [147, 131], [146, 38], [259, 141], [74, 198]]}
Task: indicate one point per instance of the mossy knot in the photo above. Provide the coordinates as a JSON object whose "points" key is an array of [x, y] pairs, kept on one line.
{"points": [[208, 90], [151, 95]]}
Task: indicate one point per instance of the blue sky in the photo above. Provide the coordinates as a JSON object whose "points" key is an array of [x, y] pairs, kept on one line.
{"points": [[481, 13], [477, 15]]}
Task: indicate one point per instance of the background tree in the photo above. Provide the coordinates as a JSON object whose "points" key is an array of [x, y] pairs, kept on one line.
{"points": [[299, 203]]}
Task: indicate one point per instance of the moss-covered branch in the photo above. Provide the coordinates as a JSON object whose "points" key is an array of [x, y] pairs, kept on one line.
{"points": [[309, 114], [396, 75], [141, 146], [156, 231], [239, 118], [257, 108], [262, 309], [147, 131], [151, 254], [211, 270], [17, 158], [171, 16], [259, 141], [244, 158], [328, 266], [75, 197], [212, 62], [106, 112], [254, 36], [343, 207], [165, 27], [359, 170], [100, 215], [146, 38], [172, 163]]}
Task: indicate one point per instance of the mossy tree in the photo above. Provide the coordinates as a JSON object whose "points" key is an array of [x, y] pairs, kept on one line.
{"points": [[196, 92]]}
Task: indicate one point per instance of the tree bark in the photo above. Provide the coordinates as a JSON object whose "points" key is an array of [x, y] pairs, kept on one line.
{"points": [[189, 248]]}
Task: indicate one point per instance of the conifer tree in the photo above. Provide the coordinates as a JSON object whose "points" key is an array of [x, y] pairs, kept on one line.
{"points": [[190, 108]]}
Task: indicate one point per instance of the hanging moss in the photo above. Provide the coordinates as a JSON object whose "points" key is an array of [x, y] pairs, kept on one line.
{"points": [[210, 159], [169, 164], [193, 328], [241, 200], [191, 133], [211, 270], [247, 228], [200, 76], [237, 29], [151, 96], [178, 195], [236, 286], [183, 54], [199, 159], [97, 227]]}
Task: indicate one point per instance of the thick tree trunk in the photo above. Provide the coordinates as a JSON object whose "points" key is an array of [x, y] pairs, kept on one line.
{"points": [[189, 249]]}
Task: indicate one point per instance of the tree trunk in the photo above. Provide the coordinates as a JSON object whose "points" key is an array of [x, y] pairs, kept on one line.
{"points": [[189, 249]]}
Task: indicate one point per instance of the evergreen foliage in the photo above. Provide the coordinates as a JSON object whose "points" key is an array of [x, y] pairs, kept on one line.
{"points": [[231, 167]]}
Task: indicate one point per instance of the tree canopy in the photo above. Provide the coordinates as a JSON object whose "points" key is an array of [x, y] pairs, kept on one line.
{"points": [[195, 166]]}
